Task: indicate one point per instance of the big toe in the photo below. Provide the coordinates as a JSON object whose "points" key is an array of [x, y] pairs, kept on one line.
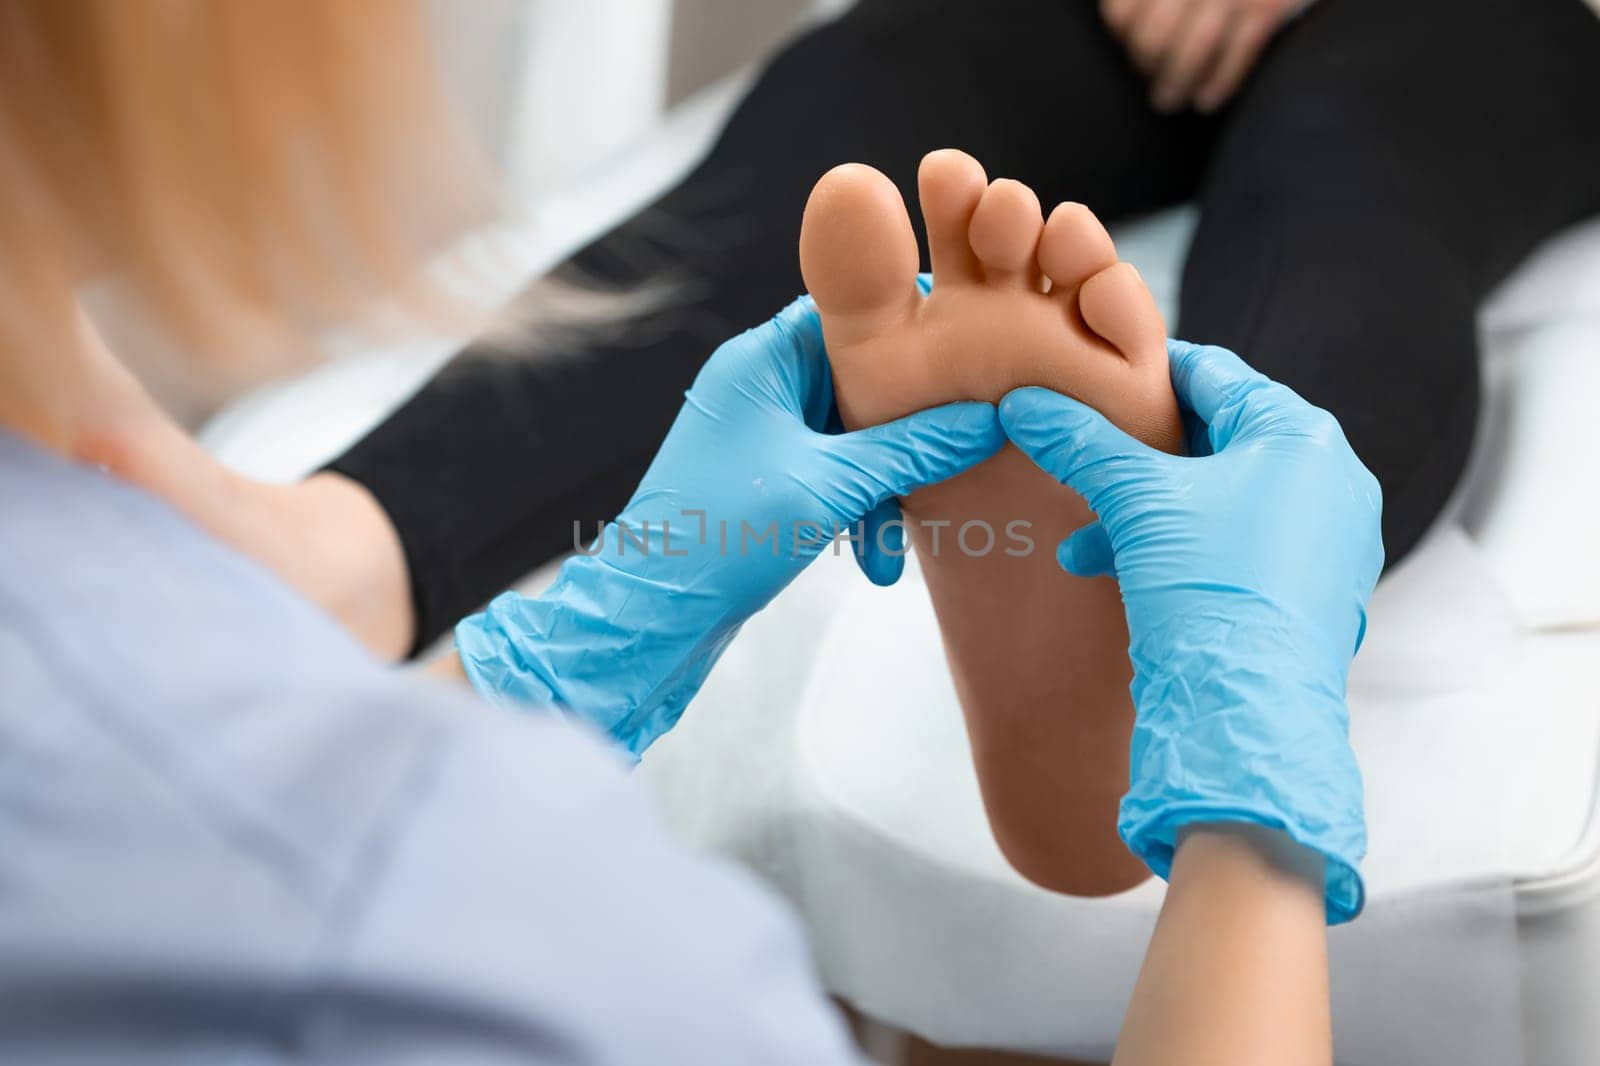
{"points": [[858, 253]]}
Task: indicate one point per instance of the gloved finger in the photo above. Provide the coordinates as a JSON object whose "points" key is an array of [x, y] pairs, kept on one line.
{"points": [[902, 456], [1233, 400], [881, 549], [1074, 443], [1196, 434], [1206, 377], [1217, 386], [791, 344], [801, 322], [1088, 553]]}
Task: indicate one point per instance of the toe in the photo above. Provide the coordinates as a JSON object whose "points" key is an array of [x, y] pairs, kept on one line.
{"points": [[1117, 305], [858, 254], [1074, 246], [1005, 234], [950, 184]]}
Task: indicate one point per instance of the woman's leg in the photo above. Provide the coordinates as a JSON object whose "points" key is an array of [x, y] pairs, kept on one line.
{"points": [[486, 470], [1388, 165]]}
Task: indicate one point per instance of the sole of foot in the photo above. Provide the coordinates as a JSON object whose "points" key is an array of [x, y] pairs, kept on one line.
{"points": [[1039, 658]]}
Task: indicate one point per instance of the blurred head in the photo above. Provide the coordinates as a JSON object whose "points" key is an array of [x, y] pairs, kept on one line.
{"points": [[243, 173]]}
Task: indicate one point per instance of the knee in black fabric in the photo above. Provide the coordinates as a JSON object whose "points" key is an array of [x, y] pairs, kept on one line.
{"points": [[1364, 197], [1368, 318]]}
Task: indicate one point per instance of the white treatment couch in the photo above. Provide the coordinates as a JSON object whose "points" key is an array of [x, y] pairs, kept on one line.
{"points": [[827, 751]]}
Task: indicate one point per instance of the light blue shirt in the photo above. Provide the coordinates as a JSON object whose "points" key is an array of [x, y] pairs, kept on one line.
{"points": [[227, 835]]}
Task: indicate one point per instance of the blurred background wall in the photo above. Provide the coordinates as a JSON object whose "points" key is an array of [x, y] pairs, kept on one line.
{"points": [[713, 38], [554, 87]]}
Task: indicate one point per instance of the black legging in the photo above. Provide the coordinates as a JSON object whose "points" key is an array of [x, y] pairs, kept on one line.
{"points": [[1386, 164]]}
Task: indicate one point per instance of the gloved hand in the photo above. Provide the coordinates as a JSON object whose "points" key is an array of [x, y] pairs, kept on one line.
{"points": [[1245, 571], [746, 490]]}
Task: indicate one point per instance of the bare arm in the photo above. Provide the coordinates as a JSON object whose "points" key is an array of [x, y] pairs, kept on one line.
{"points": [[1237, 971], [327, 537]]}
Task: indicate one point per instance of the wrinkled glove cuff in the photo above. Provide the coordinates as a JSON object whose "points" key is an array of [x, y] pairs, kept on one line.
{"points": [[1222, 735], [589, 649]]}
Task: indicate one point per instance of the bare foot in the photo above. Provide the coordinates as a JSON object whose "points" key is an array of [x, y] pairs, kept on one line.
{"points": [[1039, 658]]}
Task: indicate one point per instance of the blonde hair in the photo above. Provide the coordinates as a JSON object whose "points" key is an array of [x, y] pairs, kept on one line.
{"points": [[247, 171]]}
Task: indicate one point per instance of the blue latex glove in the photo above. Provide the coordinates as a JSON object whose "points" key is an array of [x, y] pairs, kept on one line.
{"points": [[747, 489], [1245, 571]]}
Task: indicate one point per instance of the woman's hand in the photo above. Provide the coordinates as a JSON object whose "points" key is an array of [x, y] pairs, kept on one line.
{"points": [[1195, 52], [1245, 570], [748, 488]]}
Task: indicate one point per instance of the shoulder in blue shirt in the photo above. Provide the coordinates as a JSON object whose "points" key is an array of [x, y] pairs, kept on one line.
{"points": [[227, 834]]}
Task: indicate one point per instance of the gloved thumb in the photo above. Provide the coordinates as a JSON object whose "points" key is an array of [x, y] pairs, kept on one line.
{"points": [[880, 550], [1073, 442], [900, 457], [1088, 553]]}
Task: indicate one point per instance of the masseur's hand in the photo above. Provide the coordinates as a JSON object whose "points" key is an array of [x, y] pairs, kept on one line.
{"points": [[747, 489], [1195, 52], [1245, 571]]}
